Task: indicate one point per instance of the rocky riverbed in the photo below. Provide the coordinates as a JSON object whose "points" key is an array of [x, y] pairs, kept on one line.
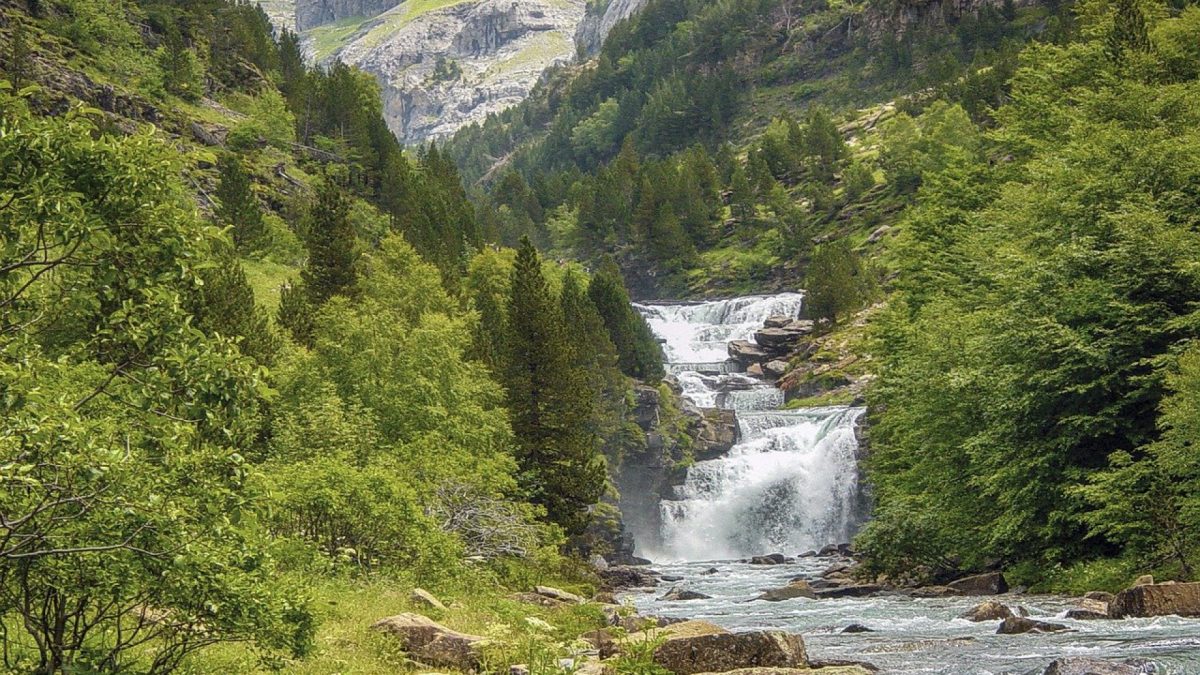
{"points": [[899, 633]]}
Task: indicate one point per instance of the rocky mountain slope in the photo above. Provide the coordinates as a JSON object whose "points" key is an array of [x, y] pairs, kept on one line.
{"points": [[601, 19], [443, 64]]}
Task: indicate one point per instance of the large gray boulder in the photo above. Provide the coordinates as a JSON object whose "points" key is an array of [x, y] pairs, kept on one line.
{"points": [[1156, 600], [1015, 625], [432, 643], [725, 652], [987, 611], [1082, 665], [679, 593], [795, 589], [747, 353]]}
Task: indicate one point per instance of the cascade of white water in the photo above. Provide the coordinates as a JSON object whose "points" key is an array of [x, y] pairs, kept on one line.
{"points": [[791, 483]]}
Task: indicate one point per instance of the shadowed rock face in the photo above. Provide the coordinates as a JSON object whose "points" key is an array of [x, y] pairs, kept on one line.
{"points": [[313, 13], [445, 68]]}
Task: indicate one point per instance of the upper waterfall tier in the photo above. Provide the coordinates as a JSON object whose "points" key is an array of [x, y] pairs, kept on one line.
{"points": [[700, 333]]}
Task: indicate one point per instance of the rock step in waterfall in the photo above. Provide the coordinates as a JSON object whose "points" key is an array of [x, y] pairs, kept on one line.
{"points": [[791, 481]]}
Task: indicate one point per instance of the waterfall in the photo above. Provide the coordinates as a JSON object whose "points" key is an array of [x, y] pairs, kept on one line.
{"points": [[791, 483]]}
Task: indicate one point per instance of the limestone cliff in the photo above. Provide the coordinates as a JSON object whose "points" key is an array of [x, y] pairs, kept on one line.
{"points": [[448, 63], [313, 13], [601, 19]]}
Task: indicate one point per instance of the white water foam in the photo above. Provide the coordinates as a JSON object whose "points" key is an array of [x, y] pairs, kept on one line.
{"points": [[791, 483]]}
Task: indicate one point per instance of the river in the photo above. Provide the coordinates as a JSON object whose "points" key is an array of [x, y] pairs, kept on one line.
{"points": [[791, 485]]}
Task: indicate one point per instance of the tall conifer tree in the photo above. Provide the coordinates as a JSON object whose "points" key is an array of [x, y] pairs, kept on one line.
{"points": [[550, 405], [237, 206], [329, 236]]}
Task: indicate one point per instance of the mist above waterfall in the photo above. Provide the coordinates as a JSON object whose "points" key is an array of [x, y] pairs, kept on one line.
{"points": [[790, 484]]}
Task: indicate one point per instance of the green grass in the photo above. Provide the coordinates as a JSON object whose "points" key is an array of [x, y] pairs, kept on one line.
{"points": [[326, 40], [821, 400], [265, 277], [346, 644]]}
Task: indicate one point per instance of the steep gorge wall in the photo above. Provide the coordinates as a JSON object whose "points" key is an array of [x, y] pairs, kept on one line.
{"points": [[313, 13], [597, 25], [444, 68]]}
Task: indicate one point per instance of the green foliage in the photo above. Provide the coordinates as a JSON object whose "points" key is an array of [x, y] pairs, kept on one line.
{"points": [[1043, 302], [182, 72], [237, 207], [561, 467], [227, 307], [125, 502], [638, 352], [329, 237], [268, 121], [836, 283]]}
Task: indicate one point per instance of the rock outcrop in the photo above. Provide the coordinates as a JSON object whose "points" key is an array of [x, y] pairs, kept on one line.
{"points": [[601, 20], [1082, 665], [1156, 600], [987, 611], [1014, 625], [724, 652], [447, 67], [795, 589], [432, 643], [313, 13]]}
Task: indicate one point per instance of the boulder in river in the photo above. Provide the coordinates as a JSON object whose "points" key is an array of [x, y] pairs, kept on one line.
{"points": [[1102, 596], [857, 628], [795, 589], [746, 352], [772, 559], [680, 593], [852, 591], [935, 592], [1014, 625], [1083, 665], [777, 321], [1081, 614], [725, 652], [622, 577], [782, 339], [430, 642], [987, 611], [1156, 600], [991, 583]]}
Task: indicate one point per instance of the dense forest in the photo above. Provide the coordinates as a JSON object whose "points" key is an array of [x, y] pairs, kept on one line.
{"points": [[700, 146], [256, 354]]}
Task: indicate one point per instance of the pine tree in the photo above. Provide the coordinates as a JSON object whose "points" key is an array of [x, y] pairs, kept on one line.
{"points": [[18, 61], [836, 282], [550, 404], [329, 236], [237, 206], [741, 196], [638, 351], [182, 73], [1128, 33], [296, 314], [227, 307], [487, 339], [823, 144]]}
